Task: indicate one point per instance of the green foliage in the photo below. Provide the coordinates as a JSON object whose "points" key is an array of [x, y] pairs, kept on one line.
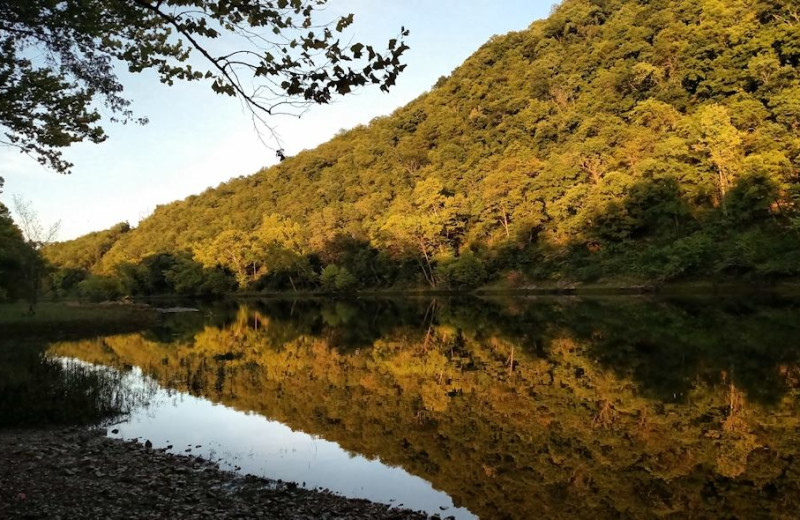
{"points": [[100, 288], [668, 151], [166, 273], [37, 390], [20, 262], [464, 272], [335, 278], [47, 105], [64, 281], [13, 254], [191, 278], [88, 251]]}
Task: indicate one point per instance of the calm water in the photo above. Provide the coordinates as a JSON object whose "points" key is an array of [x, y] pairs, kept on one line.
{"points": [[549, 408]]}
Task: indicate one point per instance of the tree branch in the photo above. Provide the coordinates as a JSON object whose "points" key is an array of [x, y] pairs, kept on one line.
{"points": [[174, 23]]}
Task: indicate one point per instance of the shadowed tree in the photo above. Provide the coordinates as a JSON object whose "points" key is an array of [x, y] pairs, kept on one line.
{"points": [[36, 236], [14, 254]]}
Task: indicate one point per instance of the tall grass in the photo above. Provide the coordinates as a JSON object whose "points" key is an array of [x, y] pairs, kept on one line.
{"points": [[39, 390]]}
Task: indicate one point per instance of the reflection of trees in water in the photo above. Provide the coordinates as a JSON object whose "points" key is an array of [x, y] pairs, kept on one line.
{"points": [[667, 348], [569, 408], [37, 389]]}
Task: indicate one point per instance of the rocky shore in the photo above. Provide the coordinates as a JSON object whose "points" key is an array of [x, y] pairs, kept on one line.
{"points": [[78, 473]]}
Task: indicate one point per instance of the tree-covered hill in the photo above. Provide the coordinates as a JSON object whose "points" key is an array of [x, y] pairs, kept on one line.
{"points": [[645, 139]]}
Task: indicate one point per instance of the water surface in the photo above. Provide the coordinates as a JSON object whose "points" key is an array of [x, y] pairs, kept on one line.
{"points": [[521, 408]]}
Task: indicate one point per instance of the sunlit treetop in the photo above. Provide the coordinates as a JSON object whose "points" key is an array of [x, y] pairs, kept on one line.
{"points": [[57, 61]]}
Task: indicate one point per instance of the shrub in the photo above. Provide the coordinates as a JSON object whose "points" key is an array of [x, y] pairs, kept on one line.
{"points": [[464, 272], [100, 288], [335, 278]]}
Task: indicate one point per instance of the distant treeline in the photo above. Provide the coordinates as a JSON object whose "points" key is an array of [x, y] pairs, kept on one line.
{"points": [[651, 141]]}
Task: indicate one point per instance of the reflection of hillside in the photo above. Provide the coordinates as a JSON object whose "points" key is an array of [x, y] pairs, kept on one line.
{"points": [[546, 408]]}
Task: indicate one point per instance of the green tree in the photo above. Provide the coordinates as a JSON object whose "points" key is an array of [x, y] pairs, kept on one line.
{"points": [[36, 236], [464, 272], [417, 226], [723, 143], [189, 277], [235, 250], [669, 150], [336, 278], [100, 288], [284, 232], [15, 254], [284, 57], [508, 195]]}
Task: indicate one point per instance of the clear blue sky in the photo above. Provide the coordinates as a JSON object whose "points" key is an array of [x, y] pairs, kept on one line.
{"points": [[196, 139]]}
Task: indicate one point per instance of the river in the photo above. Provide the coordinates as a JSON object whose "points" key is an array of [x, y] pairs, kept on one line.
{"points": [[548, 407]]}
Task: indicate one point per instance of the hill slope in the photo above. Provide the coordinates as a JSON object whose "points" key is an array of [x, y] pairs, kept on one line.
{"points": [[649, 139]]}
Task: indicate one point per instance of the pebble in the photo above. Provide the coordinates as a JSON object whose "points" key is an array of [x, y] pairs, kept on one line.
{"points": [[50, 474]]}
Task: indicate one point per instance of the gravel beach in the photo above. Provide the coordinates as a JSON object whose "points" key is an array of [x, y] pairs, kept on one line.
{"points": [[79, 473]]}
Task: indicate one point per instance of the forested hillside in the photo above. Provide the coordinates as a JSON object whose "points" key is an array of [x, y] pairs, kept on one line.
{"points": [[648, 140]]}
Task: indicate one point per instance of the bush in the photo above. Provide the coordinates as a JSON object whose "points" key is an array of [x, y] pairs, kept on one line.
{"points": [[65, 280], [464, 272], [100, 288], [335, 278]]}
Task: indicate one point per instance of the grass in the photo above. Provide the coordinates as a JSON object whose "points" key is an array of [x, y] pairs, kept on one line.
{"points": [[36, 390], [68, 318]]}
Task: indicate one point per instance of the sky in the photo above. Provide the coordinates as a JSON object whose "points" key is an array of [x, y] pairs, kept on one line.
{"points": [[196, 139]]}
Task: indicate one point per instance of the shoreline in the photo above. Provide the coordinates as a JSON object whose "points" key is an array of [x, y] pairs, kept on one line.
{"points": [[66, 318], [695, 288], [81, 473]]}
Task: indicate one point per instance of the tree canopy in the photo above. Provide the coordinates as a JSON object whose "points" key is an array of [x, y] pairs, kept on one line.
{"points": [[617, 139], [58, 59]]}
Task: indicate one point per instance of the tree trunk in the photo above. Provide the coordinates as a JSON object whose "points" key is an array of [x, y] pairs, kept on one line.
{"points": [[425, 272], [374, 273], [723, 190], [429, 275]]}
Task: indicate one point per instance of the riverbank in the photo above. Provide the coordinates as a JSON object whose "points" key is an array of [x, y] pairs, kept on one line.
{"points": [[548, 288], [144, 311], [79, 473], [63, 319]]}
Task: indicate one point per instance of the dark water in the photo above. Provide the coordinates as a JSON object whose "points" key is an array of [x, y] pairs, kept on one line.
{"points": [[523, 408]]}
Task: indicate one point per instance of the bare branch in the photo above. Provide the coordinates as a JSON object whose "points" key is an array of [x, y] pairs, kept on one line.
{"points": [[28, 221]]}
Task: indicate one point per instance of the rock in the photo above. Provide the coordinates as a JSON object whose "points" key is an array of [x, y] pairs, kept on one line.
{"points": [[129, 480]]}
